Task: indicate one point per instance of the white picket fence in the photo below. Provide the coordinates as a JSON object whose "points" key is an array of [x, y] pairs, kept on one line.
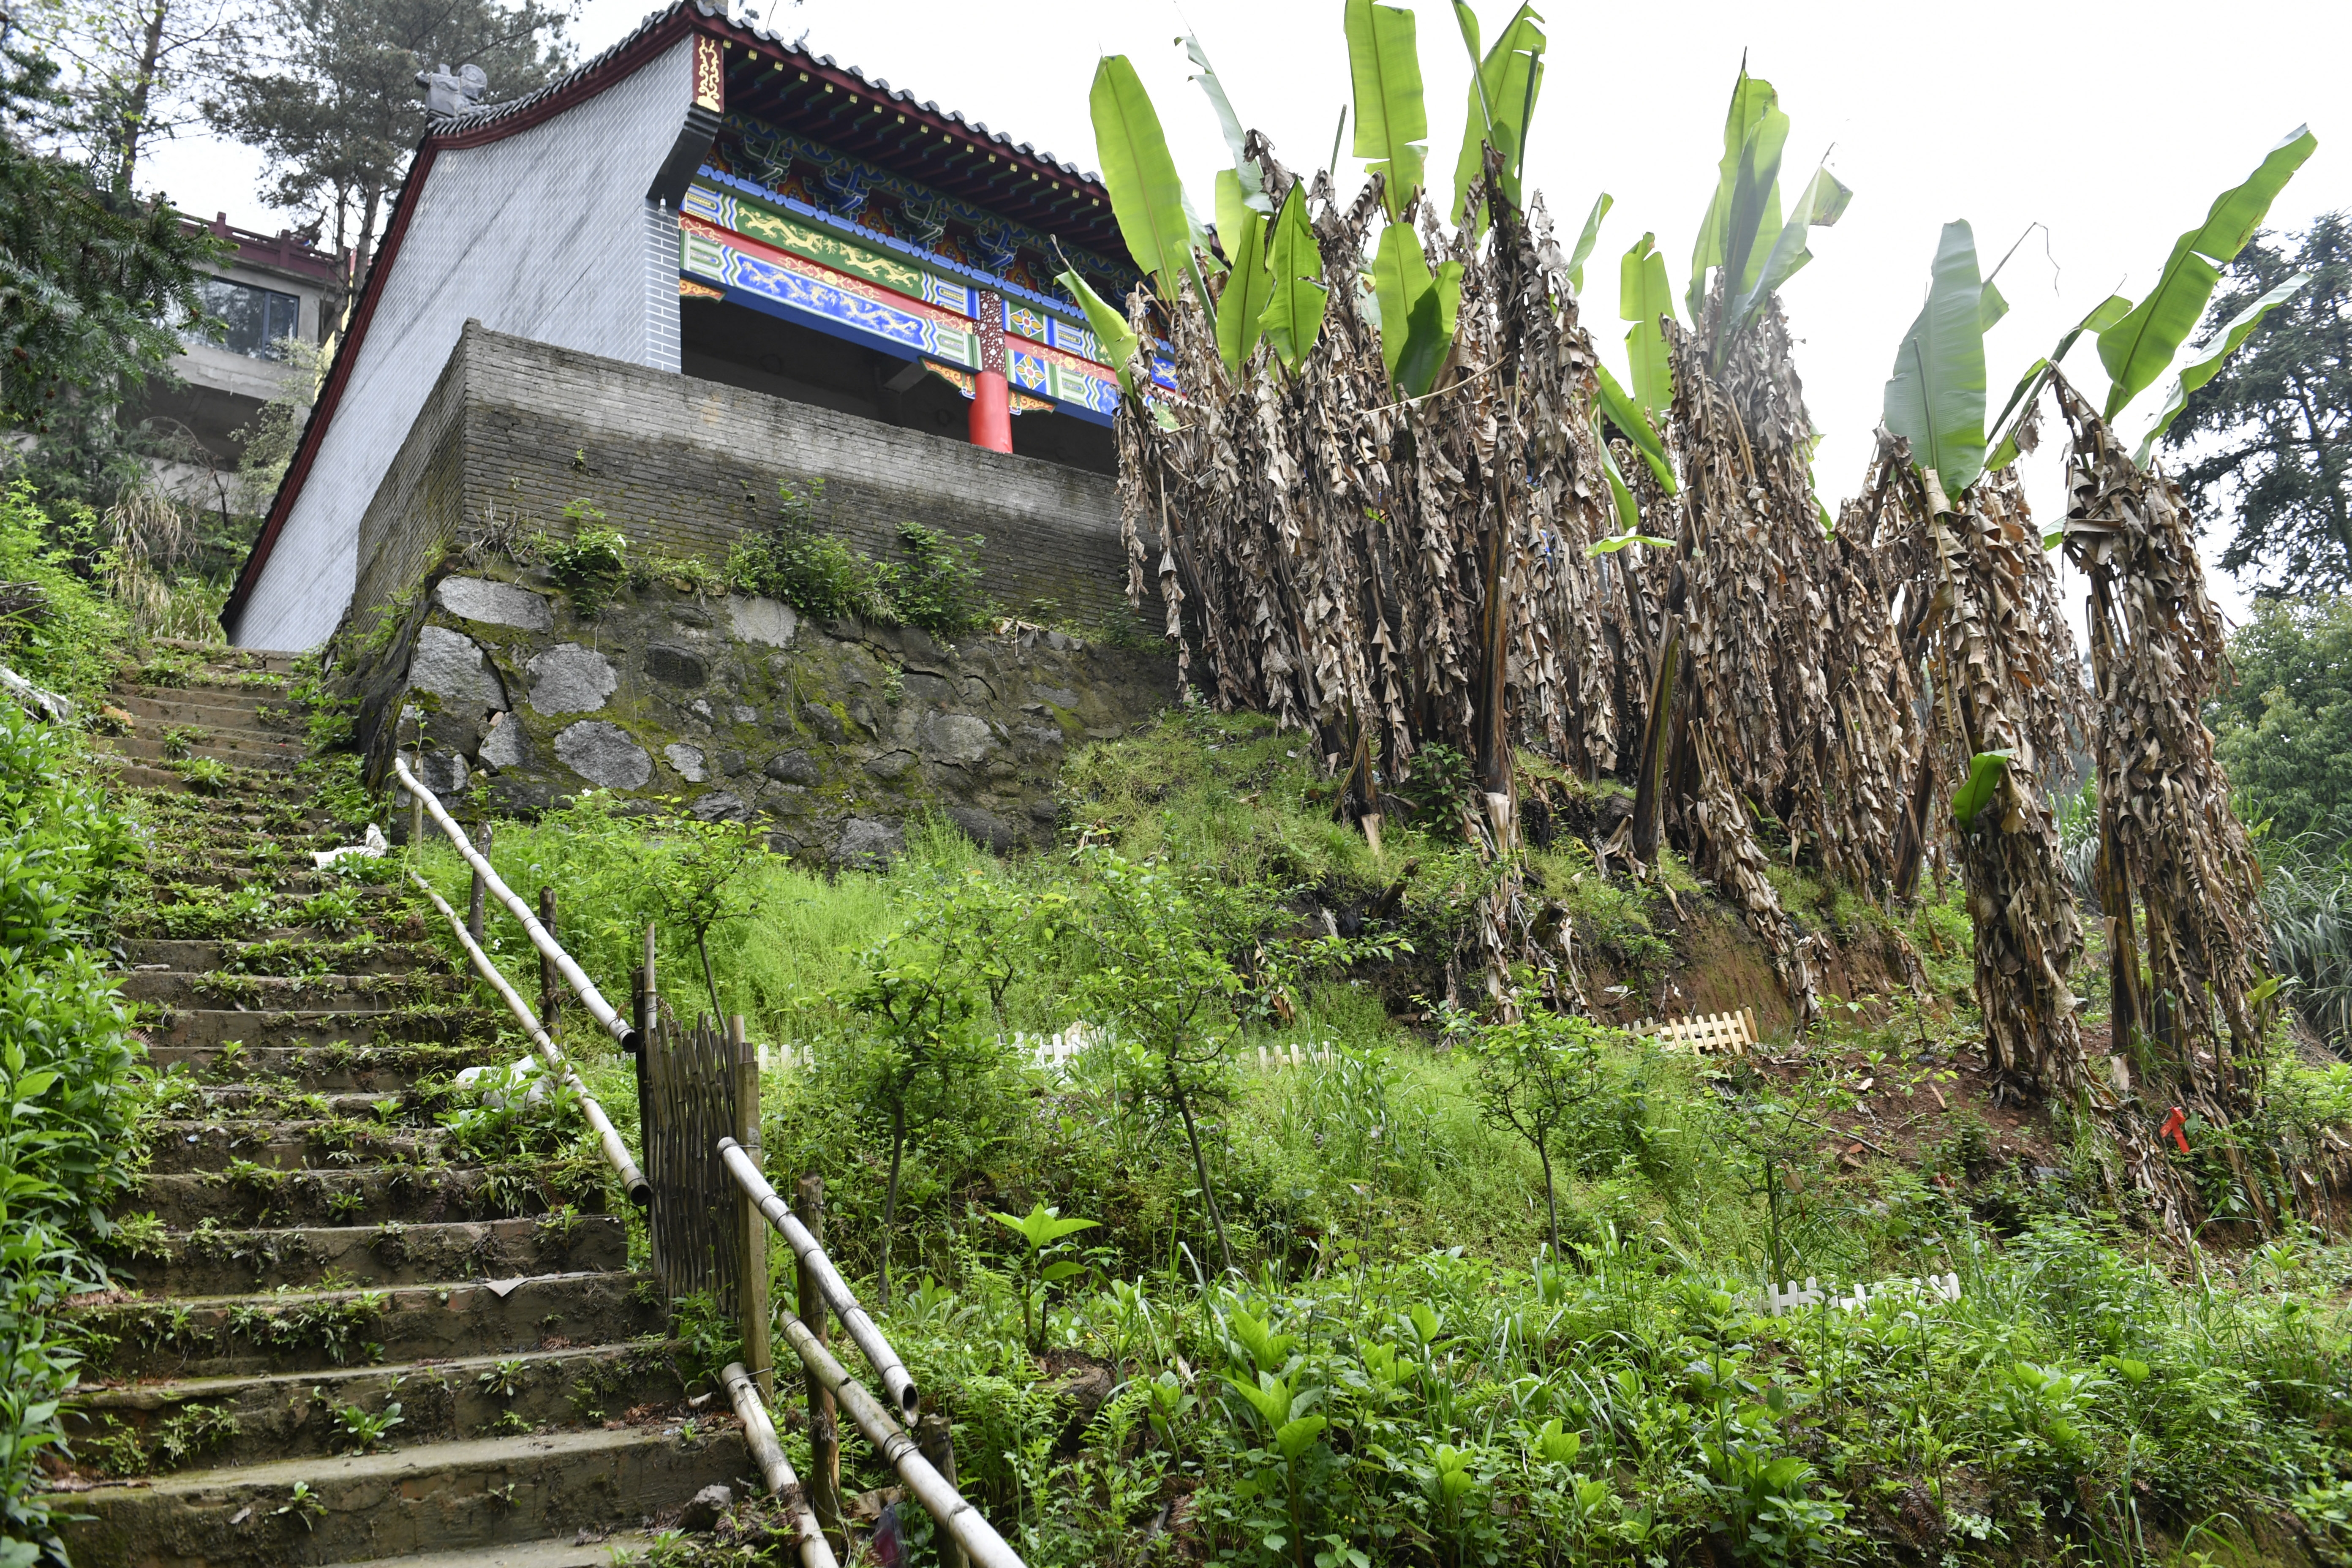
{"points": [[1054, 1052], [1790, 1296], [1714, 1033]]}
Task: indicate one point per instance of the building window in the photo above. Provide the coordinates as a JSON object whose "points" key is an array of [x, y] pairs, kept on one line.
{"points": [[252, 318]]}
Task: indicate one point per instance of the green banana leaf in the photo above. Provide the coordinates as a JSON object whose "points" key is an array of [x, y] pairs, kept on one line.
{"points": [[1429, 330], [1621, 495], [1118, 340], [1146, 197], [1399, 278], [2203, 366], [1644, 299], [1629, 417], [1585, 241], [1984, 777], [1822, 203], [2139, 349], [1745, 208], [1296, 298], [1248, 284], [1253, 178], [1391, 123], [1503, 84], [1937, 395], [2103, 314]]}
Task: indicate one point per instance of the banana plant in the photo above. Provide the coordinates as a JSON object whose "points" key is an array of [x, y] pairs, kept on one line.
{"points": [[1744, 238], [1503, 83], [1249, 281], [1146, 197], [1297, 298], [2138, 348], [1936, 396], [1644, 299], [1586, 240], [1246, 169], [1391, 121], [2136, 344]]}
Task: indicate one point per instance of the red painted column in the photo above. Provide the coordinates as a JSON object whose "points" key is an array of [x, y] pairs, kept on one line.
{"points": [[991, 397]]}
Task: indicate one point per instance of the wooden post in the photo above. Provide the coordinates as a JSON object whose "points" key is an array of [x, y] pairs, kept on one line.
{"points": [[824, 1480], [937, 1441], [550, 985], [756, 1323], [473, 901]]}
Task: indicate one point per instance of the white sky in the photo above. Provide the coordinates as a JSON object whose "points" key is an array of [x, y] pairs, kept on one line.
{"points": [[2114, 124]]}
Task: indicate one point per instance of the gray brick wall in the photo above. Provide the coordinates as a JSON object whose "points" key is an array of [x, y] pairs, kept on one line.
{"points": [[689, 465]]}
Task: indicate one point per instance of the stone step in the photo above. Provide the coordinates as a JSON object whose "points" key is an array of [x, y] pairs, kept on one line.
{"points": [[247, 784], [294, 882], [222, 655], [229, 728], [234, 1102], [160, 705], [229, 1262], [279, 993], [314, 1027], [581, 1549], [263, 1196], [438, 1498], [179, 1147], [261, 753], [293, 1330], [333, 1068], [280, 956], [246, 1420]]}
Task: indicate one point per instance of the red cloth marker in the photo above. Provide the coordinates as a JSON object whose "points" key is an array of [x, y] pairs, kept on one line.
{"points": [[2172, 1126]]}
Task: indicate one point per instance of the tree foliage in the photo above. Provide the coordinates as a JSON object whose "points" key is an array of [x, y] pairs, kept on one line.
{"points": [[2284, 727], [326, 89], [91, 280], [2272, 432]]}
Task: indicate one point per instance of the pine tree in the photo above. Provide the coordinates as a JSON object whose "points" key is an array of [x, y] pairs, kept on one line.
{"points": [[2274, 427]]}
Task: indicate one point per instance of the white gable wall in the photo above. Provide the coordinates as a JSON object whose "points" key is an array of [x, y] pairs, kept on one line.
{"points": [[546, 235]]}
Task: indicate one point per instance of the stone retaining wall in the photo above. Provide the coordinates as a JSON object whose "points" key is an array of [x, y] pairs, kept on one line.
{"points": [[738, 708]]}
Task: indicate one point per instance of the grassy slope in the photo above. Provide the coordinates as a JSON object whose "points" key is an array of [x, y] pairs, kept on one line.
{"points": [[2088, 1394]]}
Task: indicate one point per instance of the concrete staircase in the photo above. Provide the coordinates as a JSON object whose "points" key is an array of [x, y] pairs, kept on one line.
{"points": [[324, 1253]]}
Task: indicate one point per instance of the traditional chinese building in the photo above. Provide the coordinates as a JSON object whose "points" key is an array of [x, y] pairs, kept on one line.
{"points": [[700, 265]]}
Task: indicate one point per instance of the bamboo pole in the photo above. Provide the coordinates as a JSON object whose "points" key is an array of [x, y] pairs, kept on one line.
{"points": [[825, 1428], [616, 1153], [551, 989], [754, 1250], [473, 894], [760, 1433], [957, 1517], [574, 975], [896, 1381]]}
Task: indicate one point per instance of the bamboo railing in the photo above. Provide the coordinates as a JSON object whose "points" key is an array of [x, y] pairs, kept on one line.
{"points": [[896, 1380], [608, 1138], [574, 975], [962, 1523], [759, 1434], [926, 1465]]}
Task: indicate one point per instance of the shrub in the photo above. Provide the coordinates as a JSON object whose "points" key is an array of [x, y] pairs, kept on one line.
{"points": [[55, 625], [592, 564], [68, 1144], [935, 588]]}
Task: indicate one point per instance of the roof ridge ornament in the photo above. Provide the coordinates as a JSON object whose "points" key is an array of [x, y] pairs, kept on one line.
{"points": [[448, 94]]}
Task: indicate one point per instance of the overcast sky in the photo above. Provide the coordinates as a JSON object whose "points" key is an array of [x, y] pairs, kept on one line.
{"points": [[2114, 125]]}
